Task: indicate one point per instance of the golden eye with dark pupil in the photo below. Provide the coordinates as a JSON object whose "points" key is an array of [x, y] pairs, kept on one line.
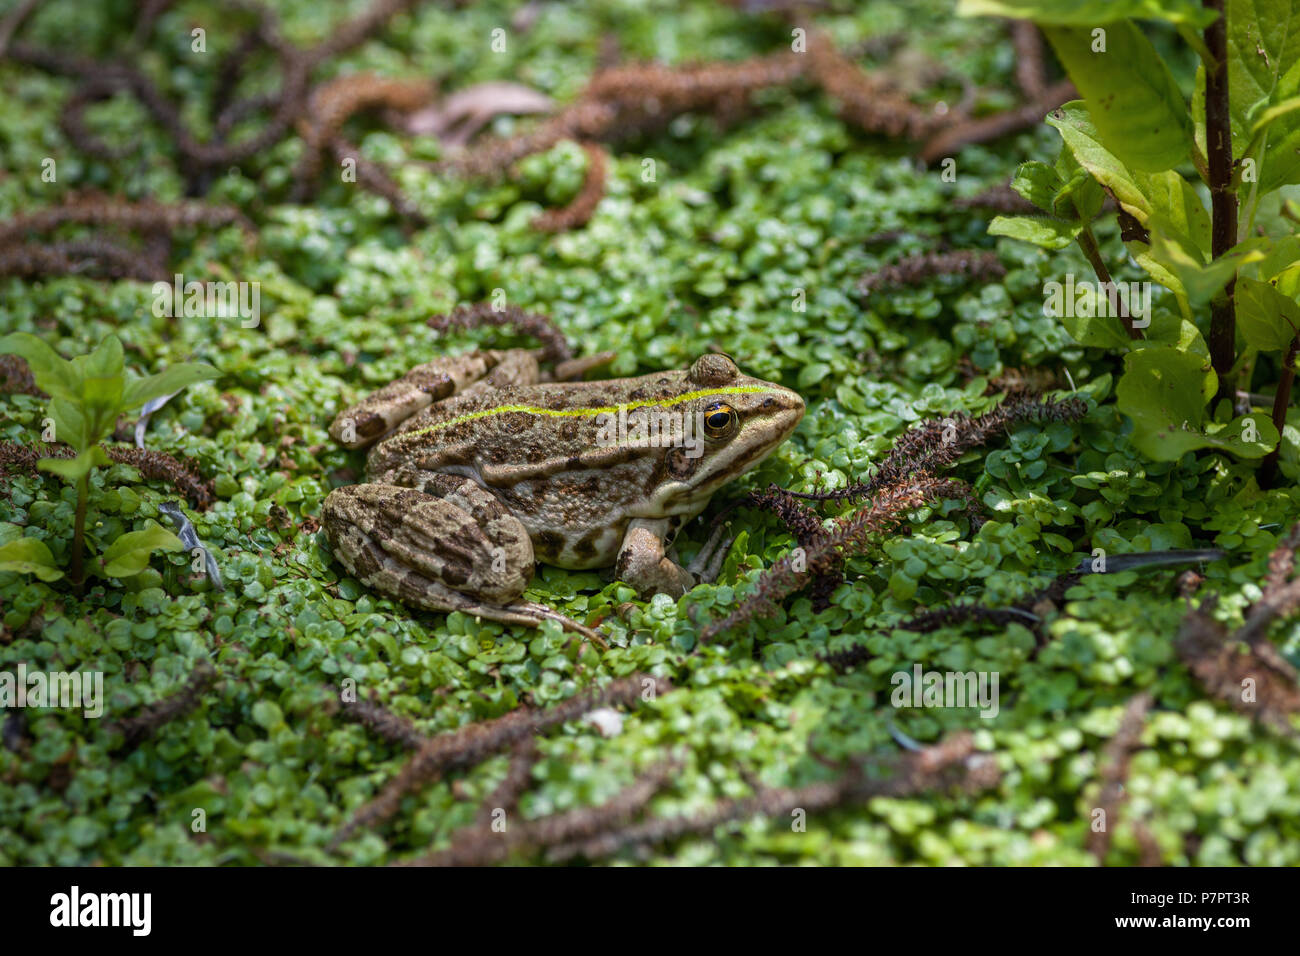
{"points": [[719, 420]]}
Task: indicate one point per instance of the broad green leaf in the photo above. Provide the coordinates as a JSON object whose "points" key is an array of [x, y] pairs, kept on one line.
{"points": [[101, 395], [1037, 183], [52, 373], [73, 470], [1158, 271], [1165, 392], [1263, 78], [167, 382], [1105, 332], [1141, 194], [1133, 99], [80, 424], [1080, 136], [1266, 118], [106, 362], [69, 424], [29, 556], [1201, 281], [129, 554], [1090, 12], [1040, 230], [1177, 210], [1081, 197], [1198, 110], [1085, 327], [1268, 320], [1247, 436], [101, 387], [1280, 266], [1169, 328]]}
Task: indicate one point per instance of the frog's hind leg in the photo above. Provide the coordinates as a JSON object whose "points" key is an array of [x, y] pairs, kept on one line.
{"points": [[455, 549]]}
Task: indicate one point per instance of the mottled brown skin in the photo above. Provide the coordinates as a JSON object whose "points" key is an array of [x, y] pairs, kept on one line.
{"points": [[465, 491]]}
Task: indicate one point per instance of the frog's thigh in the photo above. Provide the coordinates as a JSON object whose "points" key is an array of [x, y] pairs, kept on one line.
{"points": [[381, 411], [445, 550], [644, 563]]}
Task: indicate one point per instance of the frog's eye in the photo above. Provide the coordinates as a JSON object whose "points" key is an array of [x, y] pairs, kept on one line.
{"points": [[720, 421]]}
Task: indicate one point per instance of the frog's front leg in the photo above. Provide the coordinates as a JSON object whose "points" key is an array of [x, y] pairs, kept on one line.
{"points": [[393, 406], [449, 547], [644, 562]]}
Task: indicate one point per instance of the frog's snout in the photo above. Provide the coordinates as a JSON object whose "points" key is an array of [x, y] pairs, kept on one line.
{"points": [[787, 410]]}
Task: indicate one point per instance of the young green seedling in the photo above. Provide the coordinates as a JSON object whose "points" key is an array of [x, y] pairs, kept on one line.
{"points": [[87, 394]]}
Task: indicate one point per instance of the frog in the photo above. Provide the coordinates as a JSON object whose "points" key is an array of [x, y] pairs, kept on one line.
{"points": [[481, 465]]}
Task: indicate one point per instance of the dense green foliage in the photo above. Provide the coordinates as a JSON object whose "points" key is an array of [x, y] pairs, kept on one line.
{"points": [[709, 254], [1137, 136]]}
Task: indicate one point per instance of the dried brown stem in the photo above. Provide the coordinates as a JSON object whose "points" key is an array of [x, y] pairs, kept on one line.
{"points": [[969, 132], [556, 347], [978, 265], [950, 764], [1244, 669], [182, 474], [1031, 66], [581, 208], [137, 729], [482, 846], [384, 723], [471, 744], [122, 214]]}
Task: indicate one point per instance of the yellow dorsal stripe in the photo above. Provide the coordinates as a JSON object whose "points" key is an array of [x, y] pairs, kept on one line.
{"points": [[582, 412]]}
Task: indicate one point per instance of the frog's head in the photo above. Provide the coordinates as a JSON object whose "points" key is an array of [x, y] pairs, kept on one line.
{"points": [[735, 420]]}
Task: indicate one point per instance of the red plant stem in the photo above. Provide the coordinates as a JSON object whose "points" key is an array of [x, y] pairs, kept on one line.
{"points": [[1281, 402], [1223, 198], [79, 532], [1088, 243]]}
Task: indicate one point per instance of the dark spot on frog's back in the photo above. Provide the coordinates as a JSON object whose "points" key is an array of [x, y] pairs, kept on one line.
{"points": [[547, 546], [680, 465], [406, 500], [585, 547], [516, 423]]}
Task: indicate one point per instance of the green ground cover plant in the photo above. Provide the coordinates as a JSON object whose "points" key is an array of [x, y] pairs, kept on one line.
{"points": [[284, 713]]}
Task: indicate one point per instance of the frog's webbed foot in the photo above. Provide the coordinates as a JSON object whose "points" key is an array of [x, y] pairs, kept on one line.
{"points": [[707, 564], [450, 547]]}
